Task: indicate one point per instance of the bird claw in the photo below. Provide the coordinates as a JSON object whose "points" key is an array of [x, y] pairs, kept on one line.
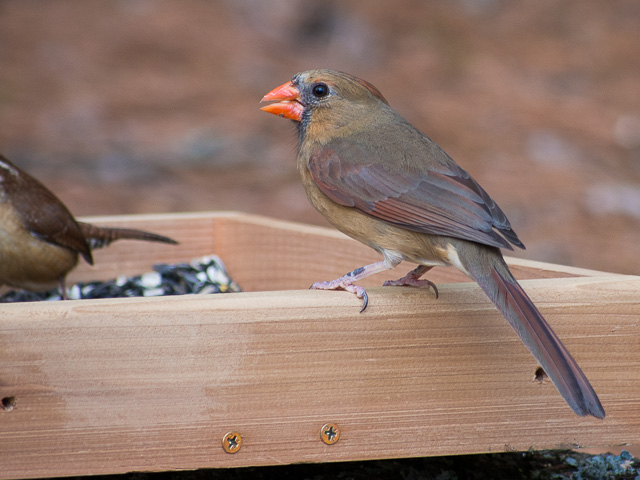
{"points": [[410, 281], [341, 284]]}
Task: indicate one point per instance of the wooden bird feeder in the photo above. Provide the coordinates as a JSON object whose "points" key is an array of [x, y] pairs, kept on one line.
{"points": [[281, 374]]}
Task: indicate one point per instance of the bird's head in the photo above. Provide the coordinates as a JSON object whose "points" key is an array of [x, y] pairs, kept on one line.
{"points": [[323, 97]]}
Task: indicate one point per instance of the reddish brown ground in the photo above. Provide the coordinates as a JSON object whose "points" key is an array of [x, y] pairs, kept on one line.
{"points": [[152, 106]]}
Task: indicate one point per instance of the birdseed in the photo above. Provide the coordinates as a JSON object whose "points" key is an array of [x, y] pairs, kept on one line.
{"points": [[203, 275]]}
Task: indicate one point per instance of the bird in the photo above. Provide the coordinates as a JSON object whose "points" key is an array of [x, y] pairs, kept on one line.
{"points": [[383, 182], [40, 240]]}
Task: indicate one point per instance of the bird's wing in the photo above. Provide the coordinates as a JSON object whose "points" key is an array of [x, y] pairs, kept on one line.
{"points": [[53, 223], [442, 199], [46, 217]]}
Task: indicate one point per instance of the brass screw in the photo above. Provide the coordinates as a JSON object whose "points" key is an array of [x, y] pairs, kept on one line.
{"points": [[330, 433], [232, 442]]}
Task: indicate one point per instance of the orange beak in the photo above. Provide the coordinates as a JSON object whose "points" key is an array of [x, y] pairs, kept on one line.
{"points": [[288, 105]]}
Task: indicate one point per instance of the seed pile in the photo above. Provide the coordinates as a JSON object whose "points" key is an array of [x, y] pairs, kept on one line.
{"points": [[203, 275]]}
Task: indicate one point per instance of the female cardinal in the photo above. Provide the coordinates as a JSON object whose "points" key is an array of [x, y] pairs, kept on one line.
{"points": [[381, 181]]}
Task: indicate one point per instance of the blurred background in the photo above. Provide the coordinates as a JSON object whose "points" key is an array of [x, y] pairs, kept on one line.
{"points": [[141, 106]]}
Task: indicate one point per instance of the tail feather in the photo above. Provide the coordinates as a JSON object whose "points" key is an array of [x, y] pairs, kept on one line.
{"points": [[507, 295], [99, 237]]}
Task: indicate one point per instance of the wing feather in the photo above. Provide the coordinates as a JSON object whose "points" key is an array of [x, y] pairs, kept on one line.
{"points": [[442, 199]]}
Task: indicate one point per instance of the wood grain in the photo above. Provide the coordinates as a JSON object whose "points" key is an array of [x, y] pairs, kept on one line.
{"points": [[263, 253], [110, 386]]}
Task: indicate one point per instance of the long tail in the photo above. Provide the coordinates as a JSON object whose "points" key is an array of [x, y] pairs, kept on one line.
{"points": [[98, 237], [487, 267]]}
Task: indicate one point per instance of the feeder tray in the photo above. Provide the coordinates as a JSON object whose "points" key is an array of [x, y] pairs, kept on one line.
{"points": [[281, 374]]}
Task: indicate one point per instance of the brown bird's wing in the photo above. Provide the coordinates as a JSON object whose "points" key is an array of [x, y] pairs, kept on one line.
{"points": [[430, 195], [42, 213], [53, 223]]}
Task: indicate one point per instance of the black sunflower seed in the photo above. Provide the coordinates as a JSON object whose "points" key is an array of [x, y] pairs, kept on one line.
{"points": [[203, 275]]}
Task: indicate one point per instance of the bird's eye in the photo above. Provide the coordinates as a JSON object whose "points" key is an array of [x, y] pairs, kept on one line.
{"points": [[320, 90]]}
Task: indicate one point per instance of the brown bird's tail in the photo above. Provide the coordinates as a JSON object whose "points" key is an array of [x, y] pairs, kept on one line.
{"points": [[490, 271], [98, 237]]}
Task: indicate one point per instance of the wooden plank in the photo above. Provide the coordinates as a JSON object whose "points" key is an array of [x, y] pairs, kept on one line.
{"points": [[524, 268], [110, 386], [268, 254], [263, 254]]}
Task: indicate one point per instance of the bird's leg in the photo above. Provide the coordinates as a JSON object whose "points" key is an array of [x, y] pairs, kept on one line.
{"points": [[346, 281], [63, 287], [412, 279]]}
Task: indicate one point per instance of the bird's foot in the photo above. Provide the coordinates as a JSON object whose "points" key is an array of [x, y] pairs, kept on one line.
{"points": [[344, 283], [412, 279]]}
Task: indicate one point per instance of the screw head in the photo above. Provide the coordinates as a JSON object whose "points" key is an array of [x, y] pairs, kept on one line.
{"points": [[8, 403], [330, 433], [232, 442]]}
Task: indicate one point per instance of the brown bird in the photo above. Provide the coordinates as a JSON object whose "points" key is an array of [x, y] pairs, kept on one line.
{"points": [[39, 238], [381, 181]]}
